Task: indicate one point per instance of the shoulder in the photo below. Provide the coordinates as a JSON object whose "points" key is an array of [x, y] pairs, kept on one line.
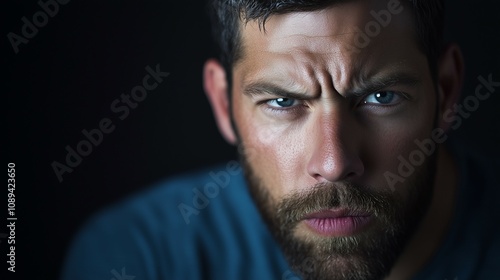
{"points": [[178, 200], [185, 227], [476, 230], [471, 248], [480, 183]]}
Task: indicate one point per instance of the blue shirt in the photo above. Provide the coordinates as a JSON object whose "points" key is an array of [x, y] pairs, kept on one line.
{"points": [[205, 226]]}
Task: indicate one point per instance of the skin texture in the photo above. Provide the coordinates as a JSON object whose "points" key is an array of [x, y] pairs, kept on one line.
{"points": [[335, 133]]}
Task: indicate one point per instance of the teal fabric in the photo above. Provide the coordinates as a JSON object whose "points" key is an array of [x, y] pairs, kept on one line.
{"points": [[148, 237], [471, 248]]}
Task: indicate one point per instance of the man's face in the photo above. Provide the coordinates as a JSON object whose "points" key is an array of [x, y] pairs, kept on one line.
{"points": [[320, 119]]}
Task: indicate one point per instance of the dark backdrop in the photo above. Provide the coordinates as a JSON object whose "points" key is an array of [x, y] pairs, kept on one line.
{"points": [[66, 77]]}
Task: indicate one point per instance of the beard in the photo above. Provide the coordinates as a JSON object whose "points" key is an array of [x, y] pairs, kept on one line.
{"points": [[369, 254]]}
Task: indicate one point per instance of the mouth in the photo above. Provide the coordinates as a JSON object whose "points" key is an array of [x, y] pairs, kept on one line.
{"points": [[337, 222]]}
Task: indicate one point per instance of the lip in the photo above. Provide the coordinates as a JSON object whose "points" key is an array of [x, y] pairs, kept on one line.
{"points": [[337, 222]]}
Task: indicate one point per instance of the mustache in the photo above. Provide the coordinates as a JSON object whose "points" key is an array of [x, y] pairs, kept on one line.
{"points": [[356, 198]]}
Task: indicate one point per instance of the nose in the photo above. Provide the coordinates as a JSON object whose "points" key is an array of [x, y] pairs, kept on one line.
{"points": [[334, 147]]}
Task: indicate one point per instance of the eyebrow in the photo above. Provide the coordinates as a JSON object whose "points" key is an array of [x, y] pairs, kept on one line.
{"points": [[363, 87], [378, 83], [262, 88]]}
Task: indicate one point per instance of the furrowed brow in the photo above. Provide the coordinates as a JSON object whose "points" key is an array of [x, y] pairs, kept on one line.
{"points": [[376, 84], [262, 88]]}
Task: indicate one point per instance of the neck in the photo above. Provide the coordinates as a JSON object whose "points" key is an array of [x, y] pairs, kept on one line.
{"points": [[435, 223]]}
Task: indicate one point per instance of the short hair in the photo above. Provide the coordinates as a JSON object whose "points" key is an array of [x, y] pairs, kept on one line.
{"points": [[226, 16]]}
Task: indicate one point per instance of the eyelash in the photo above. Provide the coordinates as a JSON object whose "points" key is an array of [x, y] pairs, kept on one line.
{"points": [[403, 96], [276, 110], [360, 102]]}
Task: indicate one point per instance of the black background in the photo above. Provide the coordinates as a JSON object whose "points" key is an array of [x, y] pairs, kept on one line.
{"points": [[65, 78]]}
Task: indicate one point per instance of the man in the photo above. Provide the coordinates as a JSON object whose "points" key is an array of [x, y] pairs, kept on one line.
{"points": [[339, 110]]}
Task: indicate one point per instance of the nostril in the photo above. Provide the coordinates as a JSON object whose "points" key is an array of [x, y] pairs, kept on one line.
{"points": [[350, 175], [335, 167]]}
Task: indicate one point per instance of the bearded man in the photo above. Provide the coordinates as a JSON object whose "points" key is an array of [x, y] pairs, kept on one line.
{"points": [[340, 111]]}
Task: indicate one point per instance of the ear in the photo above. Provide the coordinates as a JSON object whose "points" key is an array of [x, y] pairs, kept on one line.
{"points": [[215, 85], [450, 80]]}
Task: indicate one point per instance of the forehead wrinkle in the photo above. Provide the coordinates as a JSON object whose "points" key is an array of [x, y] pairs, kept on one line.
{"points": [[325, 80], [316, 55], [309, 50], [284, 71], [346, 73], [314, 43], [334, 72], [328, 70], [306, 67]]}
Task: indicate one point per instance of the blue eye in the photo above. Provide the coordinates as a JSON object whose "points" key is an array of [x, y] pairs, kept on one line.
{"points": [[382, 98], [282, 102]]}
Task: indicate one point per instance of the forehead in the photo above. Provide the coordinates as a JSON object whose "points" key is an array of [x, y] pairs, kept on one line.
{"points": [[343, 42]]}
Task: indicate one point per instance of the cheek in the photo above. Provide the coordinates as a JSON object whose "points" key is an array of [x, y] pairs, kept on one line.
{"points": [[393, 140], [274, 150]]}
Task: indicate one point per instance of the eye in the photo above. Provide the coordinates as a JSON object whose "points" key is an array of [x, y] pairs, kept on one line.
{"points": [[382, 98], [282, 102]]}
